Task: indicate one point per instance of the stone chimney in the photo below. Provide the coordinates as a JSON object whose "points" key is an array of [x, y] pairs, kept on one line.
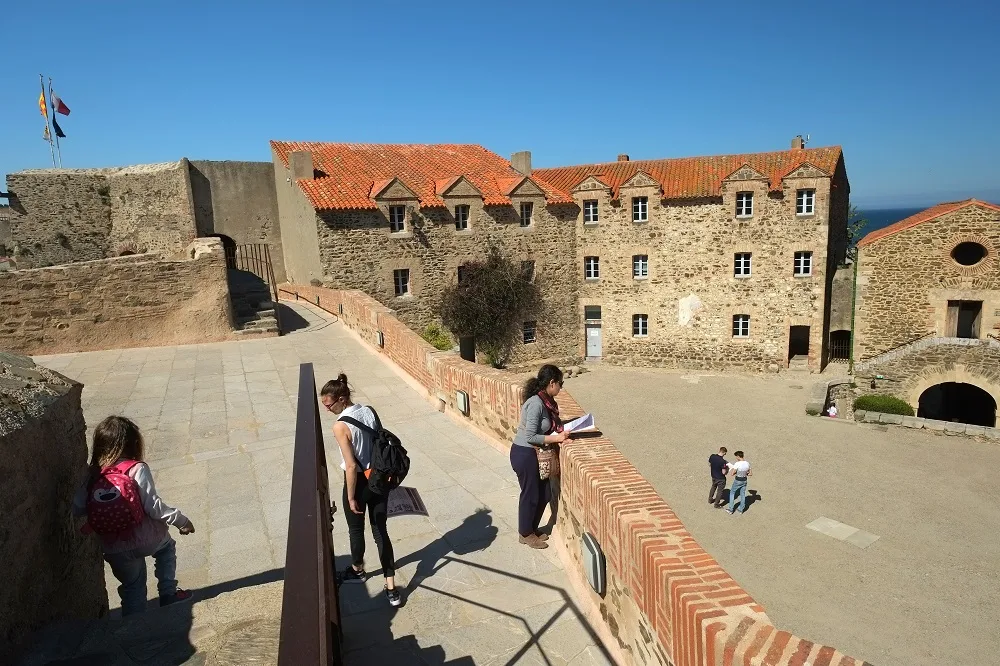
{"points": [[521, 162], [798, 143], [300, 163], [623, 158]]}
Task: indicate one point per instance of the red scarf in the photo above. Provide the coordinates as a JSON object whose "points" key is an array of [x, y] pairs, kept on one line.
{"points": [[553, 409]]}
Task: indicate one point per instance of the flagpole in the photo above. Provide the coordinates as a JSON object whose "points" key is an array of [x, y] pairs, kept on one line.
{"points": [[56, 134], [45, 107]]}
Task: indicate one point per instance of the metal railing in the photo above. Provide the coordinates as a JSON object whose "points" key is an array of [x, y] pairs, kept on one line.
{"points": [[254, 258], [310, 610]]}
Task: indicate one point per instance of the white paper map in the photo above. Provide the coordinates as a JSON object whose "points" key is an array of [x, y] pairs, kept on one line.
{"points": [[585, 422]]}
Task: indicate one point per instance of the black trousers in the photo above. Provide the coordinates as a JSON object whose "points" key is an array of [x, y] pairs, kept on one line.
{"points": [[377, 507], [718, 491], [534, 492]]}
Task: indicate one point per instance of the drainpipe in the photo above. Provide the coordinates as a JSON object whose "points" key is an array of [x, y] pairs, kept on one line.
{"points": [[854, 305]]}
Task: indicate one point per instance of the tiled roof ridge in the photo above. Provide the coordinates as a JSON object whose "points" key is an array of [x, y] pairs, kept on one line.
{"points": [[926, 215], [660, 160]]}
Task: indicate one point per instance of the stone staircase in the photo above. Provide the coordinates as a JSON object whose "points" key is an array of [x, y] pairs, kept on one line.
{"points": [[799, 364], [254, 311]]}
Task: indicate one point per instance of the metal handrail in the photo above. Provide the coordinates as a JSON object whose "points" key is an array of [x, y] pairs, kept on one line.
{"points": [[255, 258], [310, 610]]}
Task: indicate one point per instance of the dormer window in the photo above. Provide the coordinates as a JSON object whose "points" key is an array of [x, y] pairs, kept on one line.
{"points": [[397, 219], [526, 210], [461, 218], [744, 204]]}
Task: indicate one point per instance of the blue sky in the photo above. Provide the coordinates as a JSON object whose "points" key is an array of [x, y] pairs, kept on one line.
{"points": [[911, 90]]}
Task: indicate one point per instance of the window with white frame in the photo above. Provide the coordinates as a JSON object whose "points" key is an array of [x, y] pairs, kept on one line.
{"points": [[590, 213], [397, 219], [526, 209], [592, 268], [805, 202], [461, 218], [640, 266], [528, 270], [803, 264], [744, 204], [640, 325], [741, 264], [741, 326], [401, 281], [529, 331], [640, 209]]}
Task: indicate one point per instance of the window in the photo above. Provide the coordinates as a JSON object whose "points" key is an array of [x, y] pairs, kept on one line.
{"points": [[529, 331], [528, 270], [397, 218], [741, 264], [461, 273], [640, 325], [592, 312], [461, 218], [526, 209], [969, 253], [744, 204], [401, 281], [640, 209], [592, 268], [741, 326], [803, 264], [805, 202], [640, 266], [590, 214]]}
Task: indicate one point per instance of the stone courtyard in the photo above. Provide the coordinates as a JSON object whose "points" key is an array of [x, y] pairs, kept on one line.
{"points": [[878, 539], [219, 422]]}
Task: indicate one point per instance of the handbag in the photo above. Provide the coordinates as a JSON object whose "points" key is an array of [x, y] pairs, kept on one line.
{"points": [[548, 462]]}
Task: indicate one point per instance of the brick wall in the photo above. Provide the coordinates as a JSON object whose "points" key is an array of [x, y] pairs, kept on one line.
{"points": [[133, 301], [668, 601], [50, 570]]}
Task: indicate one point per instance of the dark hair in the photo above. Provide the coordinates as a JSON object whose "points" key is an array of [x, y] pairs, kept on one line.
{"points": [[546, 374], [738, 454], [337, 388], [724, 449], [115, 438]]}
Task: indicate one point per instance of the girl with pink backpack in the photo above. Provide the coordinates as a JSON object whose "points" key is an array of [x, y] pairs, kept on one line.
{"points": [[123, 509]]}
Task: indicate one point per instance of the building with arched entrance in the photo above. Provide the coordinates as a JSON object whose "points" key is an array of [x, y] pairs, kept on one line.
{"points": [[927, 312]]}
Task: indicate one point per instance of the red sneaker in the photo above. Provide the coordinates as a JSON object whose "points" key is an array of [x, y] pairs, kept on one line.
{"points": [[178, 597]]}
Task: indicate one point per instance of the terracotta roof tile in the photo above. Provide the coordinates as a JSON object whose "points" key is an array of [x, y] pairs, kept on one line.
{"points": [[692, 177], [923, 216], [351, 169]]}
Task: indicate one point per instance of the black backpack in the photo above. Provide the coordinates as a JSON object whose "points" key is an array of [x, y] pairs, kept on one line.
{"points": [[389, 464]]}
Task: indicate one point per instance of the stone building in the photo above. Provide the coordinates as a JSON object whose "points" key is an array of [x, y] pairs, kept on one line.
{"points": [[928, 311], [713, 262]]}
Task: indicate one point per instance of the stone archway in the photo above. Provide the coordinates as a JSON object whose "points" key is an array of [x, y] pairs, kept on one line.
{"points": [[229, 246], [956, 395]]}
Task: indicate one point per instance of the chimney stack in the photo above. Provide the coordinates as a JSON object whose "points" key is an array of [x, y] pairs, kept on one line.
{"points": [[798, 143], [300, 164], [623, 158], [521, 162]]}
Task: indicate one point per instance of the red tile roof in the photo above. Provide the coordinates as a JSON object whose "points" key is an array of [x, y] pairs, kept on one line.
{"points": [[693, 177], [923, 216], [351, 169]]}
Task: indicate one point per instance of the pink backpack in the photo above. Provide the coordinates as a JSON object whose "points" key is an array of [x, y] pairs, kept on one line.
{"points": [[114, 508]]}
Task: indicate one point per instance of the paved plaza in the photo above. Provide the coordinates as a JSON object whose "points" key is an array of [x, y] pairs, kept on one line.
{"points": [[219, 422], [879, 540]]}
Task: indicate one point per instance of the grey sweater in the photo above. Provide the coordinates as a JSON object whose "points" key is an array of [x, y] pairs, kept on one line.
{"points": [[534, 424]]}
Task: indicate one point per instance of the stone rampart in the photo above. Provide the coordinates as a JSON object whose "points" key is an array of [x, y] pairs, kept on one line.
{"points": [[667, 600], [132, 301], [50, 571]]}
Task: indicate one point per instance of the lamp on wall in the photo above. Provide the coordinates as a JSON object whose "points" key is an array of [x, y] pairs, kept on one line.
{"points": [[462, 402], [380, 338], [340, 308], [594, 564]]}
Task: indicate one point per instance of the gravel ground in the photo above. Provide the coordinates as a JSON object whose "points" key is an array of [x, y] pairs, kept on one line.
{"points": [[924, 593]]}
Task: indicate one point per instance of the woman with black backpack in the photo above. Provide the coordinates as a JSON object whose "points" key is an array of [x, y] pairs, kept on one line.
{"points": [[354, 430]]}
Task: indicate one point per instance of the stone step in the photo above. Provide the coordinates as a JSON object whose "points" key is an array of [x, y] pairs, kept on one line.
{"points": [[266, 322], [255, 315], [256, 331]]}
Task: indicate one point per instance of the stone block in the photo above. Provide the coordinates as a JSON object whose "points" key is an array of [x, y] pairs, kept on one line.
{"points": [[871, 417], [895, 419], [954, 428], [931, 424], [975, 430], [992, 433], [859, 415], [913, 422]]}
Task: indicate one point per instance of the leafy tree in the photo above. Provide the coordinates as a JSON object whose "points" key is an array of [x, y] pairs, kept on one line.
{"points": [[493, 300], [856, 223]]}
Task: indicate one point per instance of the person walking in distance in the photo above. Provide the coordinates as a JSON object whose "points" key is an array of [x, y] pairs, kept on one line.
{"points": [[718, 465], [740, 471], [539, 428], [356, 460]]}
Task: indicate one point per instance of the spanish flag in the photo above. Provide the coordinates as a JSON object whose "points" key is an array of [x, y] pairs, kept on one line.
{"points": [[42, 106]]}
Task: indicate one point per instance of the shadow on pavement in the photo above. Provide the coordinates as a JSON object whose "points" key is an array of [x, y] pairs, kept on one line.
{"points": [[292, 321]]}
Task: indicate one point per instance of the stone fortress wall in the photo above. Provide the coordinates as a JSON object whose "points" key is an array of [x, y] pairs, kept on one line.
{"points": [[130, 301], [50, 571]]}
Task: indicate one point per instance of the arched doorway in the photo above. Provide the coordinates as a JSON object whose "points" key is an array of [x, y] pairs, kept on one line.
{"points": [[229, 245], [959, 402], [840, 345]]}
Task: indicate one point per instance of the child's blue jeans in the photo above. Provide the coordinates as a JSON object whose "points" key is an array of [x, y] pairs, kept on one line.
{"points": [[129, 568]]}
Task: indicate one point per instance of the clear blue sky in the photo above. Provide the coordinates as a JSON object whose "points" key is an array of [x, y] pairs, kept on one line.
{"points": [[911, 90]]}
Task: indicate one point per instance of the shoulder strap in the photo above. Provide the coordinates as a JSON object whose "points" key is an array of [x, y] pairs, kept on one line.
{"points": [[123, 467], [364, 426]]}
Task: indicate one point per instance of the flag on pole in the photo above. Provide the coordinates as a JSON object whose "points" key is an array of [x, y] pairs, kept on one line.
{"points": [[46, 135], [41, 105], [55, 126], [58, 105]]}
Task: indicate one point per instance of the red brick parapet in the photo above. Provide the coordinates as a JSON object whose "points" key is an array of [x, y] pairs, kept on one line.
{"points": [[667, 601]]}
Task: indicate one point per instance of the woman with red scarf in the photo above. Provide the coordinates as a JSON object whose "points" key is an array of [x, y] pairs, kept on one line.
{"points": [[539, 430]]}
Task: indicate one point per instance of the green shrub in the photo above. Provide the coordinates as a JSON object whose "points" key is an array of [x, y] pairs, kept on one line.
{"points": [[885, 404], [437, 337], [812, 411]]}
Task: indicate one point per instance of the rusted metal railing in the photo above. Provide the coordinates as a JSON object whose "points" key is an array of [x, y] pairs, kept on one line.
{"points": [[310, 611], [254, 258]]}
